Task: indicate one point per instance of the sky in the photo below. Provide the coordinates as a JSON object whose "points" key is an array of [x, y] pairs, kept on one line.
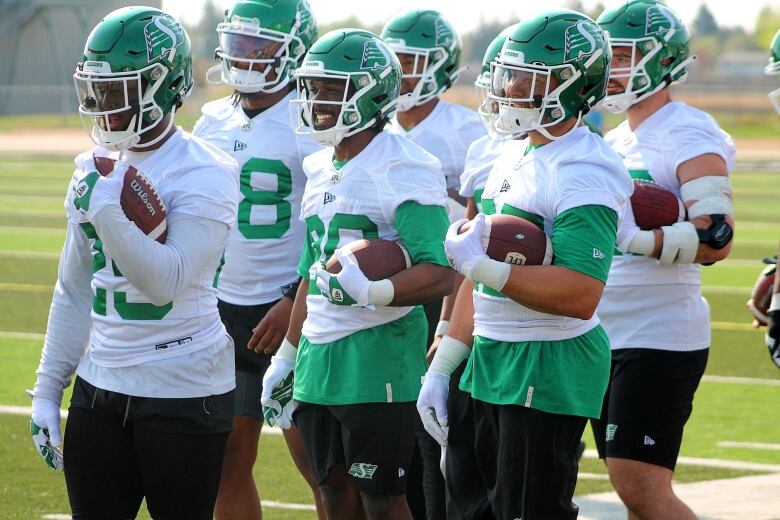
{"points": [[465, 15]]}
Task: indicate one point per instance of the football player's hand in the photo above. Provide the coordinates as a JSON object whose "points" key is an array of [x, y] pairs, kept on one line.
{"points": [[350, 286], [45, 431], [432, 405], [276, 397], [680, 244], [772, 335], [432, 349], [465, 250], [92, 192], [270, 331]]}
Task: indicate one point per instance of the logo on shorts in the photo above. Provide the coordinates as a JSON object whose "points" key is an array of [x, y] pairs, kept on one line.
{"points": [[598, 254], [611, 429], [401, 472], [362, 470], [649, 441]]}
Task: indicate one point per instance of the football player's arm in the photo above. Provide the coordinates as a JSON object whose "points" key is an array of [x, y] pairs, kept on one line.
{"points": [[298, 314], [69, 323], [449, 301], [160, 271], [422, 229]]}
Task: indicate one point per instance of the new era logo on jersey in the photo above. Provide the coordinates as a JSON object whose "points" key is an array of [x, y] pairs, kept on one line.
{"points": [[162, 34], [238, 145], [581, 39], [598, 254], [362, 470], [505, 186], [329, 197]]}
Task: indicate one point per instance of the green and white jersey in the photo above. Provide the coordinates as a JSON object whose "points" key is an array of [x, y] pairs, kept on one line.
{"points": [[362, 200], [192, 178], [262, 252], [573, 188], [446, 133], [673, 315], [480, 157]]}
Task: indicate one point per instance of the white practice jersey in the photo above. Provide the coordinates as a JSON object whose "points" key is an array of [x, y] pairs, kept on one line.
{"points": [[446, 133], [192, 178], [363, 195], [263, 249], [576, 170], [480, 157], [673, 314]]}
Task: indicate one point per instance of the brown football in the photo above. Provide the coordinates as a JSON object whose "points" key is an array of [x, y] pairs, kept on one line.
{"points": [[515, 240], [377, 258], [761, 295], [655, 206], [140, 201]]}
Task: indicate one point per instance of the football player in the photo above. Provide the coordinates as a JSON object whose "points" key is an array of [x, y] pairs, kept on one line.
{"points": [[136, 320], [773, 314], [261, 44], [652, 308], [539, 363], [429, 50], [360, 344]]}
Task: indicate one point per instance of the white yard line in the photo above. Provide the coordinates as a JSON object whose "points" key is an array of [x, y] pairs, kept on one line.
{"points": [[749, 445], [26, 287], [713, 463], [741, 380], [21, 335], [29, 254]]}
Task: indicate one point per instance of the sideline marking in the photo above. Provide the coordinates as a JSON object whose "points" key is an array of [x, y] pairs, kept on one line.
{"points": [[713, 463], [749, 445]]}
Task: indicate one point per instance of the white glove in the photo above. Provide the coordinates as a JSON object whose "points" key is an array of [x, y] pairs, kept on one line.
{"points": [[681, 242], [350, 286], [276, 397], [467, 254], [432, 405], [45, 431], [465, 250], [432, 401], [92, 192]]}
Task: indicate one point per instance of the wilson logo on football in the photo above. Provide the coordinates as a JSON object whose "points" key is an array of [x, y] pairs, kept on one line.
{"points": [[143, 195]]}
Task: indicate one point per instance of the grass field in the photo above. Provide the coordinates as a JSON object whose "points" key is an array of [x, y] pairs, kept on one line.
{"points": [[31, 235]]}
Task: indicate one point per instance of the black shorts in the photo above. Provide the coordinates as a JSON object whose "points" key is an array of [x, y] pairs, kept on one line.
{"points": [[648, 402], [239, 321], [374, 441], [120, 449], [526, 458], [467, 494]]}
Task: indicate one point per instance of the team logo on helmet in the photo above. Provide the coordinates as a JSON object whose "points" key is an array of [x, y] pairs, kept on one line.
{"points": [[162, 34], [304, 18], [374, 56], [444, 32], [582, 39], [659, 21]]}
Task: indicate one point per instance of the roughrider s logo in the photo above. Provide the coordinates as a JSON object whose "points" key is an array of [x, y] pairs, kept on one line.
{"points": [[659, 21], [374, 56], [162, 34], [362, 470], [582, 39], [444, 32]]}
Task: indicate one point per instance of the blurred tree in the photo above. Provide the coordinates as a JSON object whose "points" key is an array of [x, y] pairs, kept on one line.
{"points": [[767, 24], [204, 40], [704, 24], [351, 22]]}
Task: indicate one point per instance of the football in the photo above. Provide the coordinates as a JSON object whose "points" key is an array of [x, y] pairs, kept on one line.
{"points": [[377, 258], [514, 240], [140, 201], [654, 206], [761, 295]]}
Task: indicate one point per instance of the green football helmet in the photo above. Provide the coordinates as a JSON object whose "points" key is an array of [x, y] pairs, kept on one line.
{"points": [[258, 37], [483, 82], [551, 68], [136, 69], [367, 73], [655, 34], [773, 69], [436, 47]]}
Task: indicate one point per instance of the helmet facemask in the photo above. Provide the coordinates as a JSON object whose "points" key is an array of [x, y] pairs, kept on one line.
{"points": [[248, 53], [528, 97], [121, 105], [318, 100], [421, 65]]}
